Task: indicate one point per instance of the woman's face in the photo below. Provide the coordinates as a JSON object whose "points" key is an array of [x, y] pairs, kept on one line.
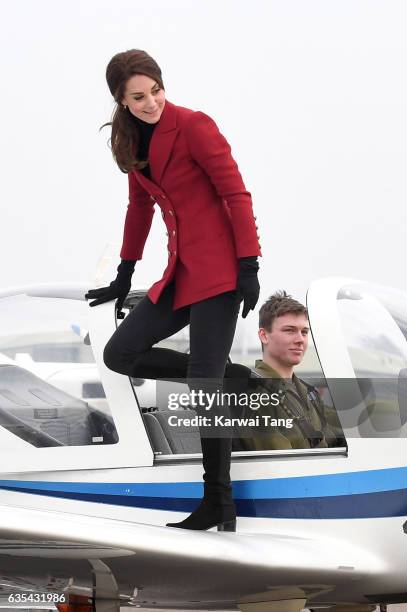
{"points": [[144, 98]]}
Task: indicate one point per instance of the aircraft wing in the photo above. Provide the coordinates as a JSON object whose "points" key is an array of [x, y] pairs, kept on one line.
{"points": [[162, 567]]}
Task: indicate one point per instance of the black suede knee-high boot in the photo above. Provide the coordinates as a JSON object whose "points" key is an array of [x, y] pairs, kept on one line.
{"points": [[217, 508], [216, 464]]}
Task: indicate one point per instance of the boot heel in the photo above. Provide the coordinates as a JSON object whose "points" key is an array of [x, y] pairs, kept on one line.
{"points": [[227, 526]]}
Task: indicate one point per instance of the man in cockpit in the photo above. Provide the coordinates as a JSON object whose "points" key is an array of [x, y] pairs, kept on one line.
{"points": [[303, 419]]}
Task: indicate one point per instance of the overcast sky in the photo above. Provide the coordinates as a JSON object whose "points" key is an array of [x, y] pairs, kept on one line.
{"points": [[310, 94]]}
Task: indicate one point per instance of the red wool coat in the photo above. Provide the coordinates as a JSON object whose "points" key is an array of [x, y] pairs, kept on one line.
{"points": [[204, 203]]}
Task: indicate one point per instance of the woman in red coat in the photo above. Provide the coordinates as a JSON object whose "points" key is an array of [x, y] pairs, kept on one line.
{"points": [[177, 158]]}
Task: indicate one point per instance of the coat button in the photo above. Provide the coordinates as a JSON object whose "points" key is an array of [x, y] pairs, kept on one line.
{"points": [[162, 195], [171, 213], [152, 198], [173, 232]]}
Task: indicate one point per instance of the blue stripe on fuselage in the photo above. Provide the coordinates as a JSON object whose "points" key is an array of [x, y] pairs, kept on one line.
{"points": [[325, 485], [365, 505], [364, 494]]}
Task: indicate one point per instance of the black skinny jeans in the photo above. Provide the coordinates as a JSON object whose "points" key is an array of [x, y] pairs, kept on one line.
{"points": [[212, 327]]}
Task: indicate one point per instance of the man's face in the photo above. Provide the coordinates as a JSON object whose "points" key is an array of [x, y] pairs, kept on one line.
{"points": [[287, 341]]}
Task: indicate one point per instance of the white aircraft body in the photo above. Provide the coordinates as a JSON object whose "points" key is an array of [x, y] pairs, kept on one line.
{"points": [[89, 478]]}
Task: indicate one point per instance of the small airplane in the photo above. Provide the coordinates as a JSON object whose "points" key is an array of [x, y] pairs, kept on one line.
{"points": [[91, 470]]}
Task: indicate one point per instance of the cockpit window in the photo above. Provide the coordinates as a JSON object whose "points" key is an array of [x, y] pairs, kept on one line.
{"points": [[374, 323], [50, 389]]}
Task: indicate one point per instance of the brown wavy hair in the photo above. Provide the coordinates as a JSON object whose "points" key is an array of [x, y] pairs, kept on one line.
{"points": [[125, 134], [277, 305]]}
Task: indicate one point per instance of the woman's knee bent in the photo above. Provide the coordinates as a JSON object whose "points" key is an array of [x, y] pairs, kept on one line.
{"points": [[122, 360], [114, 358], [110, 358]]}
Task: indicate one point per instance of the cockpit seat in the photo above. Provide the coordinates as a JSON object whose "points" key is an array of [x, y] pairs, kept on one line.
{"points": [[157, 437], [182, 439]]}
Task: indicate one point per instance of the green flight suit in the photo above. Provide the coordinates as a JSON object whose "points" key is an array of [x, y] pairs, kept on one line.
{"points": [[314, 425]]}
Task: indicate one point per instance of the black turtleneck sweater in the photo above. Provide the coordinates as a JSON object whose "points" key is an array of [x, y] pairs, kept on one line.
{"points": [[146, 131]]}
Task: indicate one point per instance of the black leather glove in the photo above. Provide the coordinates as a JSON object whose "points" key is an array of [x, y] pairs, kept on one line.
{"points": [[248, 288], [118, 288]]}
